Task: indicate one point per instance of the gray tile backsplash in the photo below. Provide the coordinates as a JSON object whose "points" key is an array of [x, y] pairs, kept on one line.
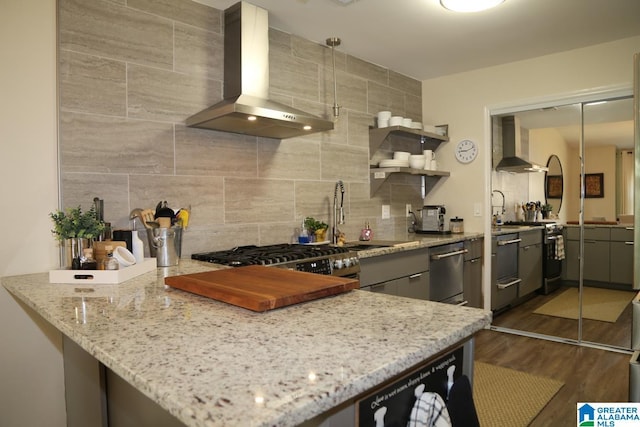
{"points": [[132, 72]]}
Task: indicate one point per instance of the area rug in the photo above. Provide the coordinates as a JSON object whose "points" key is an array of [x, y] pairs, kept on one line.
{"points": [[605, 305], [507, 398]]}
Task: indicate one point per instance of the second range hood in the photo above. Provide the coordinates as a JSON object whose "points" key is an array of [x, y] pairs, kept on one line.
{"points": [[512, 154], [246, 108]]}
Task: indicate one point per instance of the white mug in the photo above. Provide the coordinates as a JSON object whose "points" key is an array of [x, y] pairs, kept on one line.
{"points": [[428, 156]]}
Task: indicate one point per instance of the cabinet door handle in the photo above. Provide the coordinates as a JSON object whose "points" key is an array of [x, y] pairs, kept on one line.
{"points": [[506, 285], [628, 228], [508, 242], [628, 243], [437, 257], [462, 303], [413, 276], [473, 261]]}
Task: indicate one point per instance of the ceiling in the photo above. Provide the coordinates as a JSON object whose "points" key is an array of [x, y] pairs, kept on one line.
{"points": [[608, 123], [420, 39]]}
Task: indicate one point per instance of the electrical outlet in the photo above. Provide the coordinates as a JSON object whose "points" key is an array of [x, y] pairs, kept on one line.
{"points": [[386, 211], [408, 209], [477, 209]]}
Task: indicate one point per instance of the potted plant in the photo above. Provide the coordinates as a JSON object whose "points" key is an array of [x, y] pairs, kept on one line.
{"points": [[316, 228], [75, 230], [545, 209]]}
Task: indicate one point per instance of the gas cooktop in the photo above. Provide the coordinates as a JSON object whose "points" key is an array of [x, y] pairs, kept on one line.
{"points": [[323, 258]]}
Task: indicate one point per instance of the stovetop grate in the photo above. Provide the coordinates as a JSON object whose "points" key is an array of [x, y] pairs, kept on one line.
{"points": [[268, 255]]}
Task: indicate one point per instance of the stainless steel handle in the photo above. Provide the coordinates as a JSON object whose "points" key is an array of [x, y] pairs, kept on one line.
{"points": [[462, 303], [508, 242], [413, 276], [552, 237], [506, 285], [437, 257], [628, 228], [628, 243]]}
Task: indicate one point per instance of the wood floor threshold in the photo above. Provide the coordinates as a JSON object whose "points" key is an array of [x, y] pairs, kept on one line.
{"points": [[562, 340]]}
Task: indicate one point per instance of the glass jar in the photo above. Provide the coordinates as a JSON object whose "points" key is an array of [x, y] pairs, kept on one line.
{"points": [[456, 225]]}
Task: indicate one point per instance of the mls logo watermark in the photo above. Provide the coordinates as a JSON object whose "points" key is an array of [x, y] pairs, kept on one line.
{"points": [[608, 414]]}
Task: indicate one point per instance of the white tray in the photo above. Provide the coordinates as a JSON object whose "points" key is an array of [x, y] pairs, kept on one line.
{"points": [[102, 276]]}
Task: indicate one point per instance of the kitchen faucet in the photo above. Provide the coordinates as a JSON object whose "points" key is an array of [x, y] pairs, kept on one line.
{"points": [[503, 201], [338, 211]]}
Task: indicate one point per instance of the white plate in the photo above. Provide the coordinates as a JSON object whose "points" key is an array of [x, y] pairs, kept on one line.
{"points": [[392, 163]]}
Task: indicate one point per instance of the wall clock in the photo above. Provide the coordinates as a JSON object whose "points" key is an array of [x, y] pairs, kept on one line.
{"points": [[466, 151]]}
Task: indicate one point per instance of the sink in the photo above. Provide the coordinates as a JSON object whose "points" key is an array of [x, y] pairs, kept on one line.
{"points": [[364, 246], [374, 244]]}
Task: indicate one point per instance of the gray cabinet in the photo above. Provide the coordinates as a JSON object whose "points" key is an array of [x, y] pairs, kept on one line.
{"points": [[621, 261], [608, 255], [530, 262], [472, 282], [504, 270], [401, 273]]}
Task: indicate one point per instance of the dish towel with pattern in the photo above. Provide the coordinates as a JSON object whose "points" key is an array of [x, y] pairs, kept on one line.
{"points": [[429, 411], [559, 248]]}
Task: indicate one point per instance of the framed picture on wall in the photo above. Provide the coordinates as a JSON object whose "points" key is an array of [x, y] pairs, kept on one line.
{"points": [[593, 185], [554, 186]]}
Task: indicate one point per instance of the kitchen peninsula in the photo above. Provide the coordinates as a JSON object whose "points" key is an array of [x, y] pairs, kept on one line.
{"points": [[208, 363]]}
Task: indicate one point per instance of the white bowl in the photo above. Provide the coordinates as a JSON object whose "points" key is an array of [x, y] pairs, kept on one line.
{"points": [[383, 123], [401, 155], [395, 121], [416, 162], [124, 256], [384, 115], [406, 122]]}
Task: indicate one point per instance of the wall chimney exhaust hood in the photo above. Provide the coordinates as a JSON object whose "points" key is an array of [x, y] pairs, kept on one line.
{"points": [[512, 156], [246, 108]]}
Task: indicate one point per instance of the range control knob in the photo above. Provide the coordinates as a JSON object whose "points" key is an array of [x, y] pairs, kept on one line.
{"points": [[338, 264], [347, 262]]}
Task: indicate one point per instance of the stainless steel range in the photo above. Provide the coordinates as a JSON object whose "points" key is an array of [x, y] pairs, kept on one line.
{"points": [[320, 259]]}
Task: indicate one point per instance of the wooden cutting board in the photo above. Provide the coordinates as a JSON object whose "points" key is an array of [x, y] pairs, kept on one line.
{"points": [[260, 288]]}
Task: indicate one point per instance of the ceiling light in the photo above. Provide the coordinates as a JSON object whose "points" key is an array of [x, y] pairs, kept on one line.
{"points": [[469, 5]]}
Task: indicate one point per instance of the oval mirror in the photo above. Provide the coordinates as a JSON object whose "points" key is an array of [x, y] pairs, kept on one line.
{"points": [[553, 184]]}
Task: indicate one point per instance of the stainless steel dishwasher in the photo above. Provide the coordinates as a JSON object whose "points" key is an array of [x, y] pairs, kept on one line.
{"points": [[446, 273]]}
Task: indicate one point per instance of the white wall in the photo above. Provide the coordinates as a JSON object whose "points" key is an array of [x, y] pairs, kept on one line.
{"points": [[32, 390], [462, 101]]}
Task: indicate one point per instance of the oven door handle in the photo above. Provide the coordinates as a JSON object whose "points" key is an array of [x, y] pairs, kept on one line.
{"points": [[437, 257], [508, 242], [506, 285]]}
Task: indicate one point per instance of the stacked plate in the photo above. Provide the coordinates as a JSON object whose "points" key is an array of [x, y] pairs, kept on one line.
{"points": [[394, 163]]}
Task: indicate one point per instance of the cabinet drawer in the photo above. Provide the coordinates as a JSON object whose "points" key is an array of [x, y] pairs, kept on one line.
{"points": [[590, 233], [572, 233], [597, 233], [474, 248], [529, 238], [393, 266], [622, 234]]}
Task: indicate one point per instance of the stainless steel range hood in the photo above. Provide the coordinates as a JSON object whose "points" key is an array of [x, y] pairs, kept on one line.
{"points": [[512, 154], [246, 108]]}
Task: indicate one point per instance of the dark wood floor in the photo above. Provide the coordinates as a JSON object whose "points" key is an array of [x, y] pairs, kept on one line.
{"points": [[589, 374], [521, 317]]}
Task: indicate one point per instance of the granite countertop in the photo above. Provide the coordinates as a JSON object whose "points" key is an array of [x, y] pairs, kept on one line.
{"points": [[610, 224], [509, 229], [212, 364], [416, 241]]}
